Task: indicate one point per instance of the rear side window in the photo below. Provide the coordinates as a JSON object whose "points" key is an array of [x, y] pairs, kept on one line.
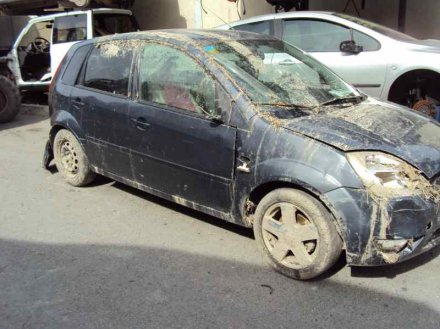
{"points": [[70, 28], [264, 27], [70, 75], [108, 68]]}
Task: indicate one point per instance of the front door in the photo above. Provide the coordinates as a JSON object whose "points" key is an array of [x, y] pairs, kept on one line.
{"points": [[177, 148], [67, 30], [321, 39]]}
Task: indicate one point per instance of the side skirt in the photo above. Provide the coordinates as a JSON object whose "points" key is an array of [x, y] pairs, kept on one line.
{"points": [[190, 204]]}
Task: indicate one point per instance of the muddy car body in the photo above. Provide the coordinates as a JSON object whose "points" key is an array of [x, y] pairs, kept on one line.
{"points": [[353, 173]]}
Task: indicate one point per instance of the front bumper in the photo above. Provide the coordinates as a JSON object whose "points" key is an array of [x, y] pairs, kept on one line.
{"points": [[411, 222]]}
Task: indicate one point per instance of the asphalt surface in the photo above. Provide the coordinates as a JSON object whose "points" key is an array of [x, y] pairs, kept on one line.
{"points": [[109, 256]]}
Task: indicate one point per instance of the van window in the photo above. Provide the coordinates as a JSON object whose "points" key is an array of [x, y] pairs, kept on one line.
{"points": [[108, 68], [70, 28], [106, 24], [171, 77]]}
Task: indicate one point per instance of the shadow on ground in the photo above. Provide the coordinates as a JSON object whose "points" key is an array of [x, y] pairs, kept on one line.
{"points": [[28, 115], [108, 286]]}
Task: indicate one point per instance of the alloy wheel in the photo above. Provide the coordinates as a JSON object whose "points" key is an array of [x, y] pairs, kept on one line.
{"points": [[289, 235]]}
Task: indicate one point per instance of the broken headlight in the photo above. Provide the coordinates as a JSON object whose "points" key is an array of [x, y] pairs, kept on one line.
{"points": [[383, 173]]}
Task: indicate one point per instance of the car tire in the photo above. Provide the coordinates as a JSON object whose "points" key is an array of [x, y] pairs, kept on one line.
{"points": [[9, 100], [296, 234], [71, 160]]}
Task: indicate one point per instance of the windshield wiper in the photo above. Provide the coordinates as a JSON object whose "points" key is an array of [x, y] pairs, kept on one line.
{"points": [[290, 106], [342, 100]]}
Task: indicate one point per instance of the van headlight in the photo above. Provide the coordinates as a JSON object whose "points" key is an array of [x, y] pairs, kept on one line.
{"points": [[383, 171]]}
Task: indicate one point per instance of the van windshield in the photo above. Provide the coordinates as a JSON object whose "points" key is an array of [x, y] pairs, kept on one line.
{"points": [[107, 24], [272, 72]]}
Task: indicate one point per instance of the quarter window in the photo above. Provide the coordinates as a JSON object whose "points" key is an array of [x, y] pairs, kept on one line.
{"points": [[70, 28], [108, 68], [264, 27], [171, 77], [320, 36]]}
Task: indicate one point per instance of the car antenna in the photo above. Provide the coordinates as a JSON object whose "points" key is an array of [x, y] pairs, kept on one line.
{"points": [[212, 12]]}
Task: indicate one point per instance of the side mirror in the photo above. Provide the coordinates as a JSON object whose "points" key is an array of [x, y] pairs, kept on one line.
{"points": [[216, 118], [350, 47]]}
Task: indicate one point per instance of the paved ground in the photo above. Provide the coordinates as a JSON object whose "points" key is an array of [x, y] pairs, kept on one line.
{"points": [[108, 256]]}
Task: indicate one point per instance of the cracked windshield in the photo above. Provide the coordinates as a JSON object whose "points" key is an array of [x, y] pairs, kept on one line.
{"points": [[272, 72]]}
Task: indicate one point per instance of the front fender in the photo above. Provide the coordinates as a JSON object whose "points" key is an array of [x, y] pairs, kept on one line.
{"points": [[314, 179]]}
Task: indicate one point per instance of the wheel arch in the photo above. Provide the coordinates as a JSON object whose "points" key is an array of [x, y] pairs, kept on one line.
{"points": [[263, 189], [65, 120], [407, 77], [6, 71]]}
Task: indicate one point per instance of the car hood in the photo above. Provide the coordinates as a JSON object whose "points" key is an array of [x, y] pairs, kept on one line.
{"points": [[373, 125]]}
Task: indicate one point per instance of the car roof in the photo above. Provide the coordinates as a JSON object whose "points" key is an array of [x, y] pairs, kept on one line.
{"points": [[179, 36], [290, 14]]}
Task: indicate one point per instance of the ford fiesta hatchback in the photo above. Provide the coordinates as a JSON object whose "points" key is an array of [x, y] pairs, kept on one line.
{"points": [[251, 130]]}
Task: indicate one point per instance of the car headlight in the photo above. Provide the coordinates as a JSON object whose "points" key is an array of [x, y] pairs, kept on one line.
{"points": [[384, 174]]}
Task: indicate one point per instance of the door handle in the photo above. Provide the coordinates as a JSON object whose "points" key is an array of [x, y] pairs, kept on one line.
{"points": [[140, 123], [77, 102]]}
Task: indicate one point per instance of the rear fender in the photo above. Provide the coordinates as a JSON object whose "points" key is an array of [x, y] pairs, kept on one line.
{"points": [[65, 120]]}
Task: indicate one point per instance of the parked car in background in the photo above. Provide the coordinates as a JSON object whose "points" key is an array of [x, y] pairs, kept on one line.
{"points": [[382, 62], [42, 44], [254, 131]]}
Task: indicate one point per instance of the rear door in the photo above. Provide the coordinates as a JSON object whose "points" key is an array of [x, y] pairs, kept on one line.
{"points": [[177, 148], [102, 97], [67, 30], [322, 39]]}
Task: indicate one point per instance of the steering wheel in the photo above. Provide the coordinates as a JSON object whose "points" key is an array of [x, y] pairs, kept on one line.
{"points": [[41, 45]]}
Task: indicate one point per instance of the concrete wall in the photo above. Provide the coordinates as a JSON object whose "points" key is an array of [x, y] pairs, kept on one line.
{"points": [[10, 27], [423, 16], [159, 14]]}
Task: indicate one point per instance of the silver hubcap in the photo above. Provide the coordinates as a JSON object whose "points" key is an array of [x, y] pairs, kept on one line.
{"points": [[291, 238], [69, 158]]}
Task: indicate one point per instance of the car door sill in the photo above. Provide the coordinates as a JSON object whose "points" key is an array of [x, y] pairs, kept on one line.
{"points": [[179, 200]]}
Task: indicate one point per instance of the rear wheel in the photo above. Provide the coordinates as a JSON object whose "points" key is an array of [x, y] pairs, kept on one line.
{"points": [[296, 234], [70, 159], [417, 90], [9, 100]]}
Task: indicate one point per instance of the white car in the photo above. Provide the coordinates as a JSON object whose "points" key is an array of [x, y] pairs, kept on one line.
{"points": [[42, 44], [382, 62]]}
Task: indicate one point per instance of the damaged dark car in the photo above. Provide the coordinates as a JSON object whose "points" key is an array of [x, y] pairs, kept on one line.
{"points": [[251, 130]]}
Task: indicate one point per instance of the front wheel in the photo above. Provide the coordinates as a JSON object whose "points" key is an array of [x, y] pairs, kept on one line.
{"points": [[71, 160], [296, 234]]}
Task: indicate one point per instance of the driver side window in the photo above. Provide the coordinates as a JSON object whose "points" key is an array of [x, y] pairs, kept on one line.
{"points": [[169, 76], [320, 36]]}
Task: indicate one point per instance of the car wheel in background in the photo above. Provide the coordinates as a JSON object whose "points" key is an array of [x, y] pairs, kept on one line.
{"points": [[70, 159], [9, 100], [296, 234]]}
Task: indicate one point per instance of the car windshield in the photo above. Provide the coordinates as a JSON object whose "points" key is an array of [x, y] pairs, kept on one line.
{"points": [[107, 24], [272, 72], [378, 28]]}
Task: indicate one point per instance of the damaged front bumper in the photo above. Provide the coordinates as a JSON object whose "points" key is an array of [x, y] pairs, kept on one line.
{"points": [[384, 231]]}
